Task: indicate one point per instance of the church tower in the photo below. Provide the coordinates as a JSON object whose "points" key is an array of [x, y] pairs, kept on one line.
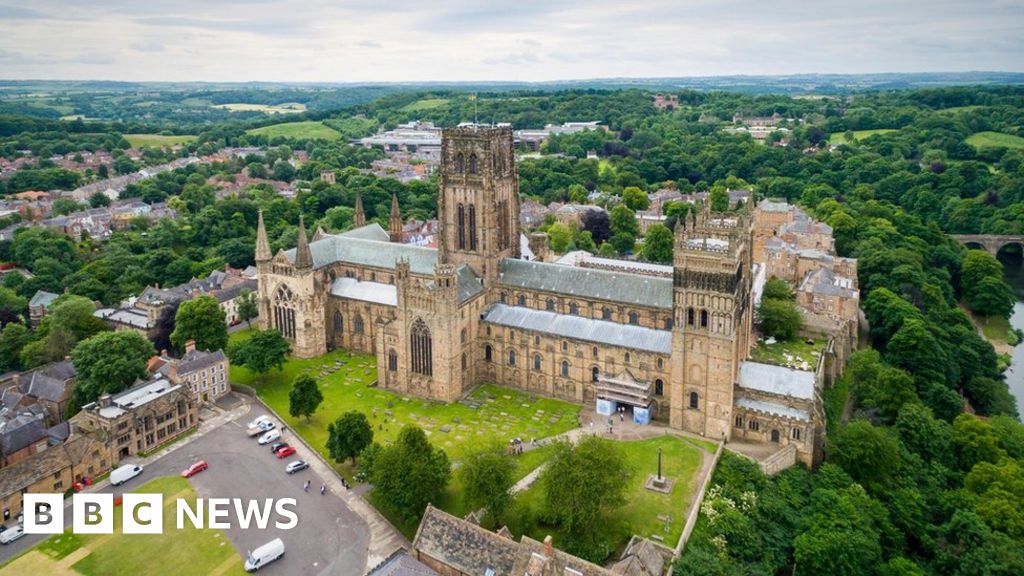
{"points": [[359, 217], [713, 318], [395, 221], [478, 198]]}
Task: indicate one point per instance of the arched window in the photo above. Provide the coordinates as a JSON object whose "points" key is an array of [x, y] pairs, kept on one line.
{"points": [[284, 311], [462, 336], [606, 313], [460, 162], [775, 436], [593, 351], [661, 363], [503, 296], [796, 433], [595, 374], [574, 308], [659, 387], [565, 346], [339, 323], [521, 300], [634, 318], [753, 425], [474, 164], [463, 360], [461, 226], [626, 359], [550, 305], [565, 368], [537, 362], [488, 353], [392, 360], [689, 316], [472, 226], [694, 401], [739, 421], [703, 318], [420, 348], [512, 358], [357, 323], [668, 323]]}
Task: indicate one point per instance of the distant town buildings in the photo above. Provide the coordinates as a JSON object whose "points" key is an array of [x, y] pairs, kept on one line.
{"points": [[666, 101], [531, 139]]}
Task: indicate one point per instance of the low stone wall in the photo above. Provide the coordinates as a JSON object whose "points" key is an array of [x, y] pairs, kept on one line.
{"points": [[691, 517], [779, 461]]}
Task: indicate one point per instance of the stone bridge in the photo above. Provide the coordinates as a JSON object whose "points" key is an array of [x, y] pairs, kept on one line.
{"points": [[991, 243]]}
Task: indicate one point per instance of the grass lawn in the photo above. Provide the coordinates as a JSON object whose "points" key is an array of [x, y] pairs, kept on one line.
{"points": [[793, 353], [995, 140], [681, 461], [156, 140], [424, 104], [839, 138], [188, 551], [958, 109], [285, 108], [310, 129]]}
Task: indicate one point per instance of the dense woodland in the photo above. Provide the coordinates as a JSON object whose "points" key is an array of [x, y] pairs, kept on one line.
{"points": [[911, 485]]}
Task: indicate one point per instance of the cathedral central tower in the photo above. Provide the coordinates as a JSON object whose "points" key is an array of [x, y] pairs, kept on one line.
{"points": [[478, 198]]}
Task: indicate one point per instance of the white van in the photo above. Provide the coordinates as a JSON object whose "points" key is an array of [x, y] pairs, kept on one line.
{"points": [[124, 474], [264, 555]]}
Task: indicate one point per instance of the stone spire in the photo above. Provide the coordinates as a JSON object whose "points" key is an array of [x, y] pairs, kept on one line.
{"points": [[303, 256], [359, 218], [395, 221], [262, 245]]}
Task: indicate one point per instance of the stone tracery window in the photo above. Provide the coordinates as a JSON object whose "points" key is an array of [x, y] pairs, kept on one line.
{"points": [[339, 323], [460, 162], [537, 360], [392, 360], [472, 226], [420, 348], [461, 226], [357, 323], [474, 164], [565, 368], [284, 311], [694, 401]]}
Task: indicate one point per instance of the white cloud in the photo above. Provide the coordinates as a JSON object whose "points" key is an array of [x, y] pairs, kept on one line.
{"points": [[370, 40]]}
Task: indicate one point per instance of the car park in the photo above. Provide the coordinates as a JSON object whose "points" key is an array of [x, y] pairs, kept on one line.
{"points": [[256, 421], [194, 469], [264, 555], [268, 437], [286, 452], [296, 466], [277, 446], [12, 534]]}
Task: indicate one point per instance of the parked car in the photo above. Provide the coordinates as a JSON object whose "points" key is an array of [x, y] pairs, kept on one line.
{"points": [[266, 425], [124, 474], [286, 452], [277, 446], [268, 437], [264, 555], [256, 421], [194, 469], [12, 534], [296, 466]]}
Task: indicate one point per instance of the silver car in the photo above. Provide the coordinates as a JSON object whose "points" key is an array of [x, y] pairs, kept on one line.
{"points": [[296, 466]]}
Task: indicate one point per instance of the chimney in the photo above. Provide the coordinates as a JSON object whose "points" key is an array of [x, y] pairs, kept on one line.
{"points": [[190, 346], [548, 548], [105, 401]]}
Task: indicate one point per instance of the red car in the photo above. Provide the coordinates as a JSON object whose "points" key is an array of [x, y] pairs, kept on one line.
{"points": [[286, 452], [194, 469]]}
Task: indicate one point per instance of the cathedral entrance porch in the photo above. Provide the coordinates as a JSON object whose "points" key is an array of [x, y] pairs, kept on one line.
{"points": [[625, 396]]}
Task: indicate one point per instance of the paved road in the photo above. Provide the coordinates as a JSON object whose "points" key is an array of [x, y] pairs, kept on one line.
{"points": [[330, 538]]}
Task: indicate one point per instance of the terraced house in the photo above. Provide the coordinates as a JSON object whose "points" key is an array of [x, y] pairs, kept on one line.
{"points": [[668, 347]]}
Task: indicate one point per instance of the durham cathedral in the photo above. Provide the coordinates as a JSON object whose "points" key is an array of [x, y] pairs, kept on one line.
{"points": [[486, 306]]}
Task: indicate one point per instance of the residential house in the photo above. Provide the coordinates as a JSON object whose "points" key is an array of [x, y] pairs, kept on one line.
{"points": [[38, 306], [53, 470], [204, 373], [51, 386]]}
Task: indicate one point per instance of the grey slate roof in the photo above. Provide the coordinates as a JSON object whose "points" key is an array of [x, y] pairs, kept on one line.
{"points": [[400, 563], [773, 408], [20, 431], [364, 252], [371, 231], [376, 292], [21, 474], [588, 283], [579, 328], [42, 298], [466, 546], [198, 360], [49, 382], [777, 380], [468, 283]]}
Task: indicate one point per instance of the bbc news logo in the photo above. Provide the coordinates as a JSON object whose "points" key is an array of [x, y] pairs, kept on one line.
{"points": [[144, 513]]}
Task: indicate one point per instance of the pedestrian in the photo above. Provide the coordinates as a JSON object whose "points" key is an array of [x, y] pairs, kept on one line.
{"points": [[305, 488], [323, 488]]}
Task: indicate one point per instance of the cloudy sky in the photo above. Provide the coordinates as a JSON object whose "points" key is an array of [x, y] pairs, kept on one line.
{"points": [[396, 40]]}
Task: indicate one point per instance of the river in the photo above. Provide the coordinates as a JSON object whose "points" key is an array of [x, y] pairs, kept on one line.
{"points": [[1015, 373]]}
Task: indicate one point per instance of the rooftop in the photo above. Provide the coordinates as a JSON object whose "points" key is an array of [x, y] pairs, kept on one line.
{"points": [[137, 396], [588, 283], [777, 380], [774, 408]]}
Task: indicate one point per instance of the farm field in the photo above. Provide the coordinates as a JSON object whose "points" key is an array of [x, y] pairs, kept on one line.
{"points": [[309, 130], [995, 140], [156, 140], [424, 104], [840, 138], [285, 108]]}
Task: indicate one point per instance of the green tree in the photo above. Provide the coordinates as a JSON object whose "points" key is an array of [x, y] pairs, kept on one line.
{"points": [[868, 454], [559, 236], [99, 200], [410, 473], [992, 297], [348, 436], [260, 352], [623, 242], [583, 485], [487, 475], [975, 441], [13, 338], [623, 221], [658, 244], [778, 290], [13, 308], [200, 319], [108, 363], [305, 397], [778, 318], [65, 206], [635, 198], [247, 308], [719, 198]]}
